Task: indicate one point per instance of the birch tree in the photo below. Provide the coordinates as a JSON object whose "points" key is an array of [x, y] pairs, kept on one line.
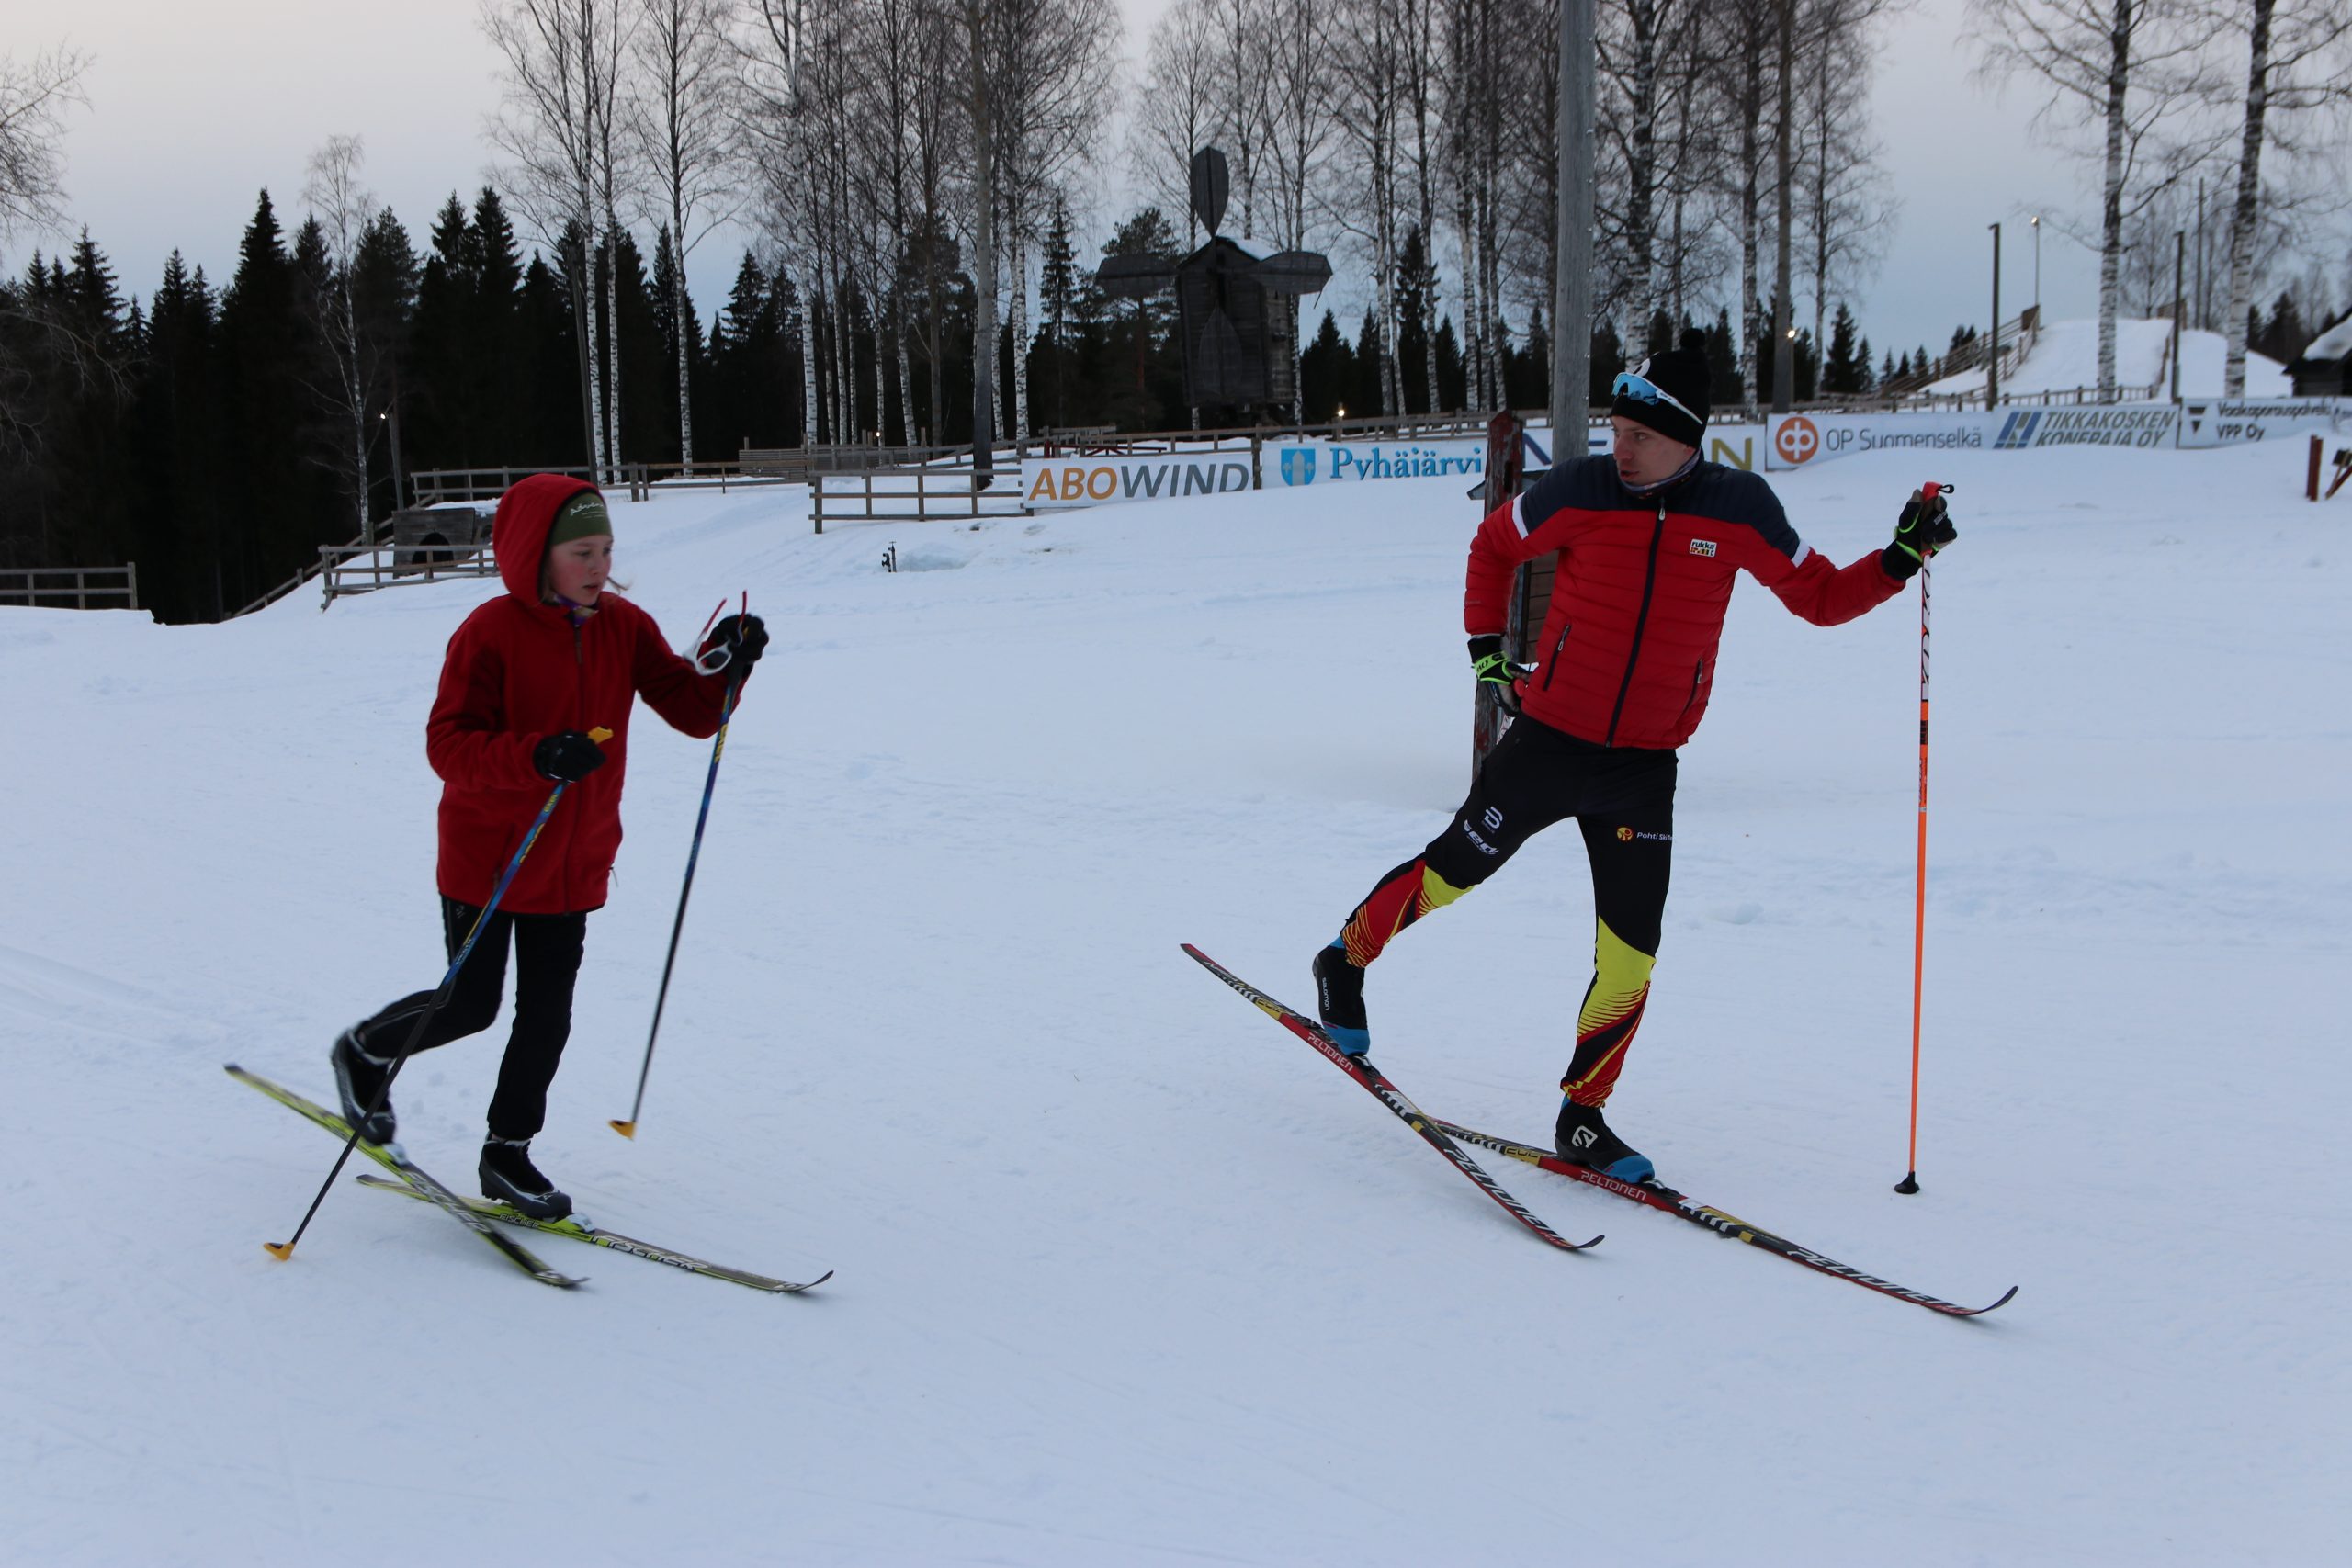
{"points": [[686, 120], [2297, 61], [1054, 81], [2111, 64], [1844, 203], [1297, 132], [341, 209], [1178, 111], [562, 67], [34, 96], [783, 43]]}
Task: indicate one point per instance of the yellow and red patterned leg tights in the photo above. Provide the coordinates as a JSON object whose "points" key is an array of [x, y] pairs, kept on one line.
{"points": [[1610, 1015], [1403, 896]]}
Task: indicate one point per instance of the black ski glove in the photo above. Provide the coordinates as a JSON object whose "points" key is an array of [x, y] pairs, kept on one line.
{"points": [[738, 641], [1497, 674], [567, 757], [1924, 528]]}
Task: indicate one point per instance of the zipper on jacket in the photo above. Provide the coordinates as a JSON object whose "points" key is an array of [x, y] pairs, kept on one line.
{"points": [[1641, 623], [1551, 665]]}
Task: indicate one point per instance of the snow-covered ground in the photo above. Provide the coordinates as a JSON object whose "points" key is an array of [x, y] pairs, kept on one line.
{"points": [[1126, 1275], [2064, 358]]}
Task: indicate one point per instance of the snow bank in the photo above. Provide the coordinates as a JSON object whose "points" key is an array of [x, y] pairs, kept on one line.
{"points": [[1125, 1274]]}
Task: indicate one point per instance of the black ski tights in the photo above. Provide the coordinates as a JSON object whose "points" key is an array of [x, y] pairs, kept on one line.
{"points": [[546, 962]]}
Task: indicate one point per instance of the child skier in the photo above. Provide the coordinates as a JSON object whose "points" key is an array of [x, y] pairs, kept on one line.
{"points": [[526, 676], [1650, 538]]}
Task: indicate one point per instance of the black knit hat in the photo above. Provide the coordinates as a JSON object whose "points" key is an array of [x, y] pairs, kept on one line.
{"points": [[1683, 375]]}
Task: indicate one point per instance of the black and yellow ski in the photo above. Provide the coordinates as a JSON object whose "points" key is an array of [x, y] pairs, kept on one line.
{"points": [[579, 1229], [415, 1180]]}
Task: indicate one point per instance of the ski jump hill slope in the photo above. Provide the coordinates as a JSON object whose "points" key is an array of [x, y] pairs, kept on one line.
{"points": [[2064, 358], [1125, 1274]]}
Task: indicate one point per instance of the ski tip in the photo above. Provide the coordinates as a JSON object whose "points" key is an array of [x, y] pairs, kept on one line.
{"points": [[282, 1250], [1980, 1312], [626, 1129]]}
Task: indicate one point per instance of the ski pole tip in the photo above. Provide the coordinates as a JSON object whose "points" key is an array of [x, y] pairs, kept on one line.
{"points": [[626, 1129], [282, 1250], [1909, 1184]]}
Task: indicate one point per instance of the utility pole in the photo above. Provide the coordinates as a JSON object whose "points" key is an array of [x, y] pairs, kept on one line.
{"points": [[2180, 264], [1993, 356], [2204, 316], [1784, 335], [1572, 286]]}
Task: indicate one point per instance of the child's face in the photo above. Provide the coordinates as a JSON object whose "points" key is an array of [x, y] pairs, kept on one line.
{"points": [[577, 568]]}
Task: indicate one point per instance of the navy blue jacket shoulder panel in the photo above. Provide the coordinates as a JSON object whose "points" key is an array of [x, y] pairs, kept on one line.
{"points": [[1713, 491]]}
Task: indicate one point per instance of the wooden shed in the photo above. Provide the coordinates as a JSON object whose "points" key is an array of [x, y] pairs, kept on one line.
{"points": [[2325, 368]]}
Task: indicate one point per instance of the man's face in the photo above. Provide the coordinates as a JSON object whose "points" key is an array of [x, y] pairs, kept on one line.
{"points": [[1644, 457]]}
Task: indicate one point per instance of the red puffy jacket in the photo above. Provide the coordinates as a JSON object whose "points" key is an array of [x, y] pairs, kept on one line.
{"points": [[517, 672], [1627, 653]]}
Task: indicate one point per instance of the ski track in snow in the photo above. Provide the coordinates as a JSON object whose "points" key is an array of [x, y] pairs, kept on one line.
{"points": [[1125, 1274]]}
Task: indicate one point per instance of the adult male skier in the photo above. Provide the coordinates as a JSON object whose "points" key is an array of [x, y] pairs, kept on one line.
{"points": [[1649, 537]]}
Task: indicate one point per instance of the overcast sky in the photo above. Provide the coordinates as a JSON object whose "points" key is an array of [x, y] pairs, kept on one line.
{"points": [[194, 108]]}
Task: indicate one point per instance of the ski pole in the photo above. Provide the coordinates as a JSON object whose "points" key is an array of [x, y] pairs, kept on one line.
{"points": [[282, 1250], [1910, 1182], [626, 1127]]}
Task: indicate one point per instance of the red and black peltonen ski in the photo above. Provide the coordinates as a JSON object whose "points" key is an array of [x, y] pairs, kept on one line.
{"points": [[1376, 1083], [1666, 1200]]}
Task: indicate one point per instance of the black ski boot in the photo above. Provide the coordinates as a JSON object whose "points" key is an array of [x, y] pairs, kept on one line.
{"points": [[1339, 999], [1583, 1138], [360, 1079], [509, 1177]]}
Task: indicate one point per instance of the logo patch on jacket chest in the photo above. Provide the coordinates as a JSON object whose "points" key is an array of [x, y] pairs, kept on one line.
{"points": [[1702, 548]]}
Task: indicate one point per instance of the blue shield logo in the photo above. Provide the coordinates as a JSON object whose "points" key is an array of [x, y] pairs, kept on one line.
{"points": [[1298, 466]]}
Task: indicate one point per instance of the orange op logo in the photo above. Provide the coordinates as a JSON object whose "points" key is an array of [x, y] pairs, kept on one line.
{"points": [[1796, 440]]}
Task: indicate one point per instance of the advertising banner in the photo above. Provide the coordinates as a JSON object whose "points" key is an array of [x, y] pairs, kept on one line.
{"points": [[2230, 422], [1798, 440], [1098, 481], [1295, 463]]}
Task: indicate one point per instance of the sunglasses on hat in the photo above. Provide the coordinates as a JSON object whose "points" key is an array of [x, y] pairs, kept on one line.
{"points": [[1641, 391]]}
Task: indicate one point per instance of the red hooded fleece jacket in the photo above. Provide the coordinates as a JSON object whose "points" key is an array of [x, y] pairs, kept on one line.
{"points": [[517, 672]]}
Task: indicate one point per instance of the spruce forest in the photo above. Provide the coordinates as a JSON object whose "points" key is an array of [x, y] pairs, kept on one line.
{"points": [[904, 181]]}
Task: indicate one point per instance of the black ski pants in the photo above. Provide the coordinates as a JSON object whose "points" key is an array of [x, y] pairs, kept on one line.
{"points": [[546, 963]]}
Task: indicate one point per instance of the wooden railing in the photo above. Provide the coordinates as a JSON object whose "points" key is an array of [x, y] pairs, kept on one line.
{"points": [[363, 568], [914, 495], [90, 587]]}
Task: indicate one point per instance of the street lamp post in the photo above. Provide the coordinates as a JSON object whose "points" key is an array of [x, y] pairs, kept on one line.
{"points": [[2037, 267]]}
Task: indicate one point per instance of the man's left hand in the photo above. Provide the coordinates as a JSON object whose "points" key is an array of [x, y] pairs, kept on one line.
{"points": [[1924, 528]]}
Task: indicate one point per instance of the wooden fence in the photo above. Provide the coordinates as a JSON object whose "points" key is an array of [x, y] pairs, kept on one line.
{"points": [[363, 568], [914, 495], [71, 587]]}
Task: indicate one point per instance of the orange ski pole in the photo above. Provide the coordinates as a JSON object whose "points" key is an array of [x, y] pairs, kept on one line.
{"points": [[1910, 1182]]}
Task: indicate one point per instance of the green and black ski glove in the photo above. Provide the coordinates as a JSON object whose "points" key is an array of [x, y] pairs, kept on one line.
{"points": [[1924, 528], [1497, 674]]}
